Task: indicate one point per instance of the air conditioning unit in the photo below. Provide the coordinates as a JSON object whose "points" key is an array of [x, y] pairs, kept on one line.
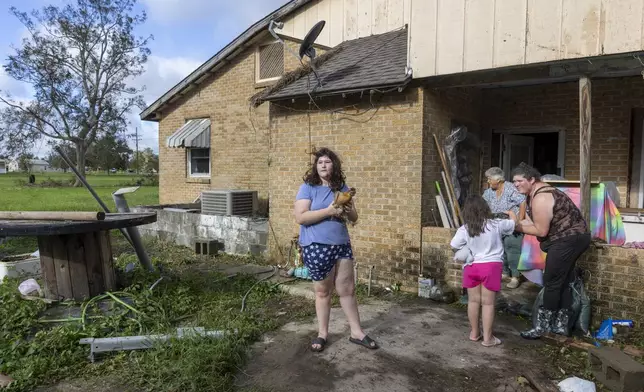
{"points": [[228, 202]]}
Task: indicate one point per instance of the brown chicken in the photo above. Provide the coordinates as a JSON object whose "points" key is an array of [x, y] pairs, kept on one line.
{"points": [[343, 198]]}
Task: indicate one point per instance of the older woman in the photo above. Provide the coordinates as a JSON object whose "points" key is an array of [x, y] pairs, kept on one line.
{"points": [[563, 234], [503, 197]]}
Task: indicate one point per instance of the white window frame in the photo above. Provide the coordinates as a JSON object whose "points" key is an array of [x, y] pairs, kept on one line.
{"points": [[189, 161], [258, 65]]}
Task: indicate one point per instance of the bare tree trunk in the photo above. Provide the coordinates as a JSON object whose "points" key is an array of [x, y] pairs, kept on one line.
{"points": [[80, 161]]}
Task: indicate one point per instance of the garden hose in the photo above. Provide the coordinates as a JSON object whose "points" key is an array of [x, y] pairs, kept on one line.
{"points": [[273, 269]]}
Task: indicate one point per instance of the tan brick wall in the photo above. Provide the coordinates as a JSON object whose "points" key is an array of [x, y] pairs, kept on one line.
{"points": [[239, 134], [438, 256], [616, 275], [558, 105], [382, 154], [440, 107]]}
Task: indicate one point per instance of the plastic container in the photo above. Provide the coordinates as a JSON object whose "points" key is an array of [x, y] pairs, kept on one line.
{"points": [[19, 266], [424, 286]]}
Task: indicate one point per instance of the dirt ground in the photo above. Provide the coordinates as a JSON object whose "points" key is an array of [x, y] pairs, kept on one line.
{"points": [[424, 347]]}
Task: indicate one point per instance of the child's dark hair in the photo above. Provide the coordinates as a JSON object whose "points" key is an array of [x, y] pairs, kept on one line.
{"points": [[475, 214]]}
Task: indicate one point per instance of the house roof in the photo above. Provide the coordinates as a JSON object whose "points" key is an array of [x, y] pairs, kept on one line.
{"points": [[378, 61], [38, 162], [222, 57], [194, 133]]}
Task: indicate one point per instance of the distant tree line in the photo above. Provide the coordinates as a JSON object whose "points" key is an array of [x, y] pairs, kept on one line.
{"points": [[110, 152]]}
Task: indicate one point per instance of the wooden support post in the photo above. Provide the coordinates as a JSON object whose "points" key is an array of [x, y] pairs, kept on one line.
{"points": [[585, 131]]}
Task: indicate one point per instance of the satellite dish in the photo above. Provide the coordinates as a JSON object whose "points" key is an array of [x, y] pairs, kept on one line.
{"points": [[306, 48]]}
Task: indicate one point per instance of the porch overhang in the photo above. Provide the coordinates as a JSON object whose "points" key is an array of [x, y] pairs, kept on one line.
{"points": [[600, 67], [193, 134]]}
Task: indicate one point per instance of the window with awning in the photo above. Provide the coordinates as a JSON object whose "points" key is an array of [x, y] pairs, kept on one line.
{"points": [[193, 134]]}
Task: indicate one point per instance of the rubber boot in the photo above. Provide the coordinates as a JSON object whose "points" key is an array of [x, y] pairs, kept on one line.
{"points": [[543, 325], [560, 324]]}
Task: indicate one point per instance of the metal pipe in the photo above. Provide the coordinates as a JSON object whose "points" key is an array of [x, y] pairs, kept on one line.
{"points": [[371, 267], [102, 345], [133, 232], [89, 188]]}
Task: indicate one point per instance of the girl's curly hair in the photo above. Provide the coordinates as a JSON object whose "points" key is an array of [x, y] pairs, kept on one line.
{"points": [[337, 175], [475, 214]]}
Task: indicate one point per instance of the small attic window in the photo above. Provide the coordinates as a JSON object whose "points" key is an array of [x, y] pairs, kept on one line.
{"points": [[270, 62]]}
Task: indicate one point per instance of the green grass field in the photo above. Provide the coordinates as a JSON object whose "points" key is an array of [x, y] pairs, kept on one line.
{"points": [[17, 197]]}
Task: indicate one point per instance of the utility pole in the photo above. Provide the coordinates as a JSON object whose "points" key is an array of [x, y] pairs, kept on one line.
{"points": [[137, 149]]}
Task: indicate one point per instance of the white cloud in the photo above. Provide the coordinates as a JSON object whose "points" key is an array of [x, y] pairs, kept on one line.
{"points": [[8, 85], [162, 73]]}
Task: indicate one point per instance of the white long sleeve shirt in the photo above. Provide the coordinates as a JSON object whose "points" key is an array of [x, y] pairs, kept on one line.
{"points": [[488, 246]]}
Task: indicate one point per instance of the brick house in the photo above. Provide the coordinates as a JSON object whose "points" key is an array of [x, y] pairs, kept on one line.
{"points": [[511, 75]]}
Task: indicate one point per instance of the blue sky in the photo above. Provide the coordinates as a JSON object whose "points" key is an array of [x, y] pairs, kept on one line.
{"points": [[186, 33]]}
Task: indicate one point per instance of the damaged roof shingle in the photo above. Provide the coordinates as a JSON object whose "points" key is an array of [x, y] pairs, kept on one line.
{"points": [[371, 62]]}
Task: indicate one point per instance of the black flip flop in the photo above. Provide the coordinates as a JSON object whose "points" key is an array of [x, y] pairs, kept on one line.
{"points": [[320, 341], [366, 342]]}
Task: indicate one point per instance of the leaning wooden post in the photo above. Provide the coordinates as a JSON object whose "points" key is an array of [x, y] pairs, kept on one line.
{"points": [[585, 129]]}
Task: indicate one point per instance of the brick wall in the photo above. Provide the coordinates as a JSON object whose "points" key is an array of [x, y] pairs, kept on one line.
{"points": [[381, 152], [558, 105], [616, 275], [437, 256], [239, 134]]}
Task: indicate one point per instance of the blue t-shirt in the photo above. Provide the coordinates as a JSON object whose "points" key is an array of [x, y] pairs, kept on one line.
{"points": [[330, 231]]}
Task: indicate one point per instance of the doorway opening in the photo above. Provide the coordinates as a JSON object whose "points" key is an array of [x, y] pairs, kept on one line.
{"points": [[544, 149]]}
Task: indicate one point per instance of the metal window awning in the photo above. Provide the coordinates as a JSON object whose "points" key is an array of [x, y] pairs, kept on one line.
{"points": [[194, 133]]}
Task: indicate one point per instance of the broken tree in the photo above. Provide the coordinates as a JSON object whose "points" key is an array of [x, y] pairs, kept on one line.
{"points": [[79, 59]]}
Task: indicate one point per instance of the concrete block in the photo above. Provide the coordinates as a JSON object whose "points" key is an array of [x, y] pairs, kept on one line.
{"points": [[189, 230], [202, 231], [616, 370], [207, 247], [258, 224], [239, 223], [225, 222], [257, 250], [190, 219], [244, 236], [252, 237], [262, 238], [241, 248], [207, 220], [214, 232]]}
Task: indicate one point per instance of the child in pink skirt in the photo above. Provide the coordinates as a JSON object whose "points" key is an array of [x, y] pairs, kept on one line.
{"points": [[482, 235]]}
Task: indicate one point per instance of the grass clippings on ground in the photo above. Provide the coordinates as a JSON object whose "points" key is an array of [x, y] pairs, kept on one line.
{"points": [[39, 353]]}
